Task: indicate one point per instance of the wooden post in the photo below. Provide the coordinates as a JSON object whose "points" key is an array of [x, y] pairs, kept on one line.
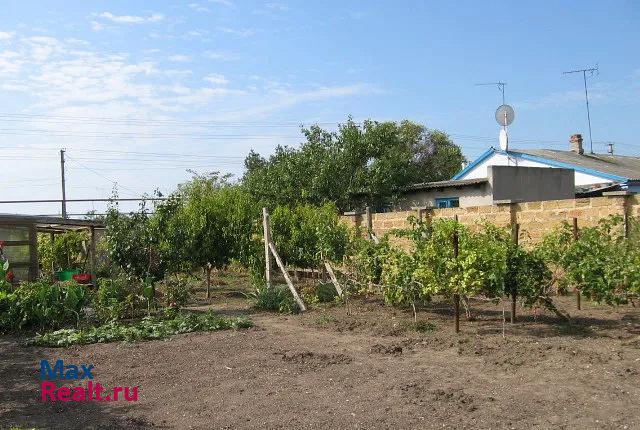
{"points": [[92, 251], [267, 241], [369, 222], [52, 236], [333, 278], [33, 253], [575, 237], [515, 232], [286, 277], [208, 269], [456, 297]]}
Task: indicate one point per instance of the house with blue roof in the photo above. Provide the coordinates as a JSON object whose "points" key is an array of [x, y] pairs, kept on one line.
{"points": [[519, 175]]}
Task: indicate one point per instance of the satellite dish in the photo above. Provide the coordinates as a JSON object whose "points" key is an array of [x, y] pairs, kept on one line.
{"points": [[504, 139], [505, 115]]}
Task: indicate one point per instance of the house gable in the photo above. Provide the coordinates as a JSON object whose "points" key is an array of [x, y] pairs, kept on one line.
{"points": [[496, 157]]}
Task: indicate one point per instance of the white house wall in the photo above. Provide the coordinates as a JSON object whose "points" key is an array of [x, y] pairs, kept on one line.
{"points": [[496, 159]]}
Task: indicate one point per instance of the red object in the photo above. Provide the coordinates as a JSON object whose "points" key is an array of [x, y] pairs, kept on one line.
{"points": [[1, 244], [82, 278], [10, 276]]}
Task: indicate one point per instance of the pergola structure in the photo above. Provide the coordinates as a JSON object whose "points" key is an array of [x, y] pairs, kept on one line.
{"points": [[20, 236]]}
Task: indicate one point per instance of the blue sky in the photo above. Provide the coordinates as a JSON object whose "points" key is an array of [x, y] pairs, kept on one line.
{"points": [[124, 85]]}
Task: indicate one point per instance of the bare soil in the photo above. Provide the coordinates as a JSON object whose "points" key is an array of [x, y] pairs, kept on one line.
{"points": [[361, 366]]}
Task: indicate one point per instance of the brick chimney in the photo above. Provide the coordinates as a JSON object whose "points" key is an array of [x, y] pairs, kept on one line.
{"points": [[576, 143]]}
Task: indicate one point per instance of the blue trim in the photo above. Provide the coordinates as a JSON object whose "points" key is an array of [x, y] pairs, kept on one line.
{"points": [[492, 150], [564, 165], [473, 164]]}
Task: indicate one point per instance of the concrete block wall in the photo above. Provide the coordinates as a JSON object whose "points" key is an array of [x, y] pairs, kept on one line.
{"points": [[536, 219]]}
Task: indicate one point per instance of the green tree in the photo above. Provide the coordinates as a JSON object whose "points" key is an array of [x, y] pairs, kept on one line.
{"points": [[211, 223], [368, 164]]}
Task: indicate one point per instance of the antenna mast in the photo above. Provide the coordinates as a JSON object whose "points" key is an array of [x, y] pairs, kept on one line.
{"points": [[500, 86], [591, 71]]}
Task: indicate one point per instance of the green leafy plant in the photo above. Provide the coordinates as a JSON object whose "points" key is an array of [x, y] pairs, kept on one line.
{"points": [[305, 235], [68, 250], [116, 298], [277, 298], [149, 328], [42, 305], [602, 264]]}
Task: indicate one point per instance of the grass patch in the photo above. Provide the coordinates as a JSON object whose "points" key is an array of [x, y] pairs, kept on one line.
{"points": [[423, 326], [149, 328], [325, 319]]}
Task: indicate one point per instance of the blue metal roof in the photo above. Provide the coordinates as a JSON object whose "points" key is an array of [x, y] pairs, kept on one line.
{"points": [[551, 158]]}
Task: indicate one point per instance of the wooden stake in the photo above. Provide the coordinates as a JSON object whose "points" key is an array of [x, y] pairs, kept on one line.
{"points": [[575, 237], [456, 307], [208, 270], [515, 232], [287, 278], [369, 223], [456, 297], [333, 278], [92, 251], [267, 241]]}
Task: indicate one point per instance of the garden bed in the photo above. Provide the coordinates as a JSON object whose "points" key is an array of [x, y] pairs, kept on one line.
{"points": [[362, 366]]}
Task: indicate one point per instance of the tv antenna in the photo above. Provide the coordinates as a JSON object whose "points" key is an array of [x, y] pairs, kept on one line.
{"points": [[500, 86], [591, 71]]}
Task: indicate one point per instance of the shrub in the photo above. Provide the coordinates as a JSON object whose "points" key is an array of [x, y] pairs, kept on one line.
{"points": [[277, 298], [41, 305], [177, 292], [602, 264], [115, 299], [325, 292]]}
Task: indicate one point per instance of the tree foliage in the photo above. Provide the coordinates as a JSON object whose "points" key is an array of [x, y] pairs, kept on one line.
{"points": [[306, 235], [358, 165]]}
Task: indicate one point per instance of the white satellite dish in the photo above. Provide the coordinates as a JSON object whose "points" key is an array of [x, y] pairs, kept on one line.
{"points": [[505, 115], [504, 139]]}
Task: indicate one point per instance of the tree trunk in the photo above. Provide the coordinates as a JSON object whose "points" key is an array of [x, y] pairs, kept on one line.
{"points": [[208, 269]]}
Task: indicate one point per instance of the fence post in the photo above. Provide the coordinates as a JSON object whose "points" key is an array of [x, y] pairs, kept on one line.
{"points": [[369, 221], [515, 232], [575, 237], [92, 251], [267, 240], [456, 297]]}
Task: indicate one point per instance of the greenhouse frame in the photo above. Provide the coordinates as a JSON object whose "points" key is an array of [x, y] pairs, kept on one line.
{"points": [[19, 236]]}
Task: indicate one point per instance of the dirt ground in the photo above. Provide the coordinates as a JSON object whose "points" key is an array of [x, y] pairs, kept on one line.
{"points": [[361, 367]]}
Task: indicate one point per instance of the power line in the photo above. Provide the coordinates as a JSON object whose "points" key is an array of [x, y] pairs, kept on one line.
{"points": [[115, 183]]}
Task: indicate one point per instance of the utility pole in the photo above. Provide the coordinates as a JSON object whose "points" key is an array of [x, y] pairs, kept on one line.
{"points": [[64, 193], [591, 71]]}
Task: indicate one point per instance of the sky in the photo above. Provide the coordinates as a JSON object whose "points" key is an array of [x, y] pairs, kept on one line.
{"points": [[139, 93]]}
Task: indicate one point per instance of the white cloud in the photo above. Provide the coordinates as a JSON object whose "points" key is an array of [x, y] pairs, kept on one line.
{"points": [[131, 19], [222, 2], [199, 8], [277, 6], [216, 79], [244, 32], [97, 26], [220, 56], [6, 35], [179, 58]]}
